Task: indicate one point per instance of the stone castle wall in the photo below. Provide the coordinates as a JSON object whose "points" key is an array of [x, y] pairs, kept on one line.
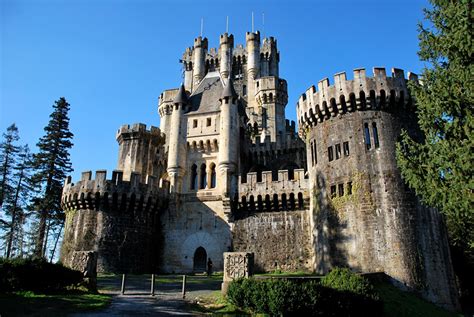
{"points": [[118, 219], [279, 240], [363, 215]]}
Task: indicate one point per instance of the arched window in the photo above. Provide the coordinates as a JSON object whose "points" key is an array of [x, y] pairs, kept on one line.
{"points": [[284, 205], [213, 176], [268, 204], [292, 202], [376, 135], [203, 182], [259, 203], [300, 201], [194, 176]]}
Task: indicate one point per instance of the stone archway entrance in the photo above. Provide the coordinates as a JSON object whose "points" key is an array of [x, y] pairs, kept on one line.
{"points": [[200, 260]]}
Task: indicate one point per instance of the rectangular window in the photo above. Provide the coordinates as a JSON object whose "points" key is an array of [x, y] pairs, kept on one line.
{"points": [[376, 135], [208, 122], [338, 151], [315, 153], [333, 191], [367, 136], [345, 146], [330, 154], [340, 189], [195, 123], [349, 188], [244, 90]]}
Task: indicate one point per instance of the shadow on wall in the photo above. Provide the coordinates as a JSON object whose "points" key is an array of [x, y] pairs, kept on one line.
{"points": [[328, 236]]}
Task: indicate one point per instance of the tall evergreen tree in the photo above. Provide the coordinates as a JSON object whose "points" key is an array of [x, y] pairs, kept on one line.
{"points": [[52, 164], [8, 151], [440, 167], [16, 204]]}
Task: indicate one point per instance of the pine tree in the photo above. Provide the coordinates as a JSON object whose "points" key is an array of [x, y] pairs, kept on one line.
{"points": [[16, 205], [52, 164], [440, 167], [8, 151]]}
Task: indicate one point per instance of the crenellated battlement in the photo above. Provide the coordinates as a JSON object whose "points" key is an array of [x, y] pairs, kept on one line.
{"points": [[113, 194], [138, 128], [361, 93], [200, 42], [271, 89], [253, 184]]}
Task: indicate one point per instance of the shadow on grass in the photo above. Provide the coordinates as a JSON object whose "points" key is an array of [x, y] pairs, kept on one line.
{"points": [[31, 304]]}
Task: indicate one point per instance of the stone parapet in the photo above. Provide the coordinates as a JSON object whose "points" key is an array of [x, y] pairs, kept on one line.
{"points": [[361, 93], [267, 186], [100, 193]]}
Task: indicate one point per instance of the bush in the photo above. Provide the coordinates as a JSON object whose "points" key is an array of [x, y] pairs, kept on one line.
{"points": [[343, 279], [36, 275], [282, 297]]}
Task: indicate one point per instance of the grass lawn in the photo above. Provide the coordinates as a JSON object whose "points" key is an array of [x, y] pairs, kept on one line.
{"points": [[31, 304], [398, 303]]}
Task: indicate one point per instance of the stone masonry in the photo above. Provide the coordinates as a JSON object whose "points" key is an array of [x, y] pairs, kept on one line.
{"points": [[226, 172]]}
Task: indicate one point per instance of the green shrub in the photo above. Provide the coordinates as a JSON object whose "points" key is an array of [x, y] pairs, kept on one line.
{"points": [[285, 297], [36, 275], [343, 279]]}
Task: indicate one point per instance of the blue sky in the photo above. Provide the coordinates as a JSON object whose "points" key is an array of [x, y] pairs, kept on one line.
{"points": [[112, 59]]}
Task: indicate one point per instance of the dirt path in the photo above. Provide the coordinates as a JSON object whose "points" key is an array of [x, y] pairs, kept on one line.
{"points": [[167, 301]]}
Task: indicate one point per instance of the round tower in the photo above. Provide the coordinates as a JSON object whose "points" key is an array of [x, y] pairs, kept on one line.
{"points": [[364, 216], [116, 218], [199, 67], [226, 44], [253, 54], [177, 142], [229, 136]]}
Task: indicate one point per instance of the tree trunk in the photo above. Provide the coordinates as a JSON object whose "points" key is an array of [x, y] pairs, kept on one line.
{"points": [[12, 225], [39, 248], [56, 242]]}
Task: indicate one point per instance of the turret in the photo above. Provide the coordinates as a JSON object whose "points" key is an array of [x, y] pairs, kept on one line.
{"points": [[225, 53], [200, 50], [269, 58], [139, 150], [253, 65], [188, 68], [253, 54], [229, 146], [177, 142]]}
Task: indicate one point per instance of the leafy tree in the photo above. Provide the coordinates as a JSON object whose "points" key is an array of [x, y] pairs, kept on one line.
{"points": [[439, 167], [16, 204], [8, 152], [52, 164]]}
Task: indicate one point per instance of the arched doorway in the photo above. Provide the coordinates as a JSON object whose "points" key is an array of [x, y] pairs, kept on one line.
{"points": [[200, 260]]}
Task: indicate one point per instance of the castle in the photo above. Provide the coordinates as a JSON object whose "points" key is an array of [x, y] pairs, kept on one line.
{"points": [[227, 172]]}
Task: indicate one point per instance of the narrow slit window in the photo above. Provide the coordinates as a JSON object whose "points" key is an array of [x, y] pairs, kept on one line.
{"points": [[345, 146], [367, 136], [244, 90], [333, 191], [330, 154], [376, 135], [349, 188], [340, 189], [315, 153], [312, 154], [338, 151], [194, 177]]}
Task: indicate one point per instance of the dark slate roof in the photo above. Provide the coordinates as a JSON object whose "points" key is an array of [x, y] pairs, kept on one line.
{"points": [[206, 97], [181, 96], [229, 90]]}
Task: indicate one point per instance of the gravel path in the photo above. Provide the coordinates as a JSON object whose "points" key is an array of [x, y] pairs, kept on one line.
{"points": [[167, 301]]}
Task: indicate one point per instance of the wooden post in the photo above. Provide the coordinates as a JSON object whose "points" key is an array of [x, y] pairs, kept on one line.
{"points": [[152, 285], [184, 287], [122, 291]]}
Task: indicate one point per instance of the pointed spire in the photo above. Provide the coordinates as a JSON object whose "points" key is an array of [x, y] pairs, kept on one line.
{"points": [[229, 91], [181, 96]]}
